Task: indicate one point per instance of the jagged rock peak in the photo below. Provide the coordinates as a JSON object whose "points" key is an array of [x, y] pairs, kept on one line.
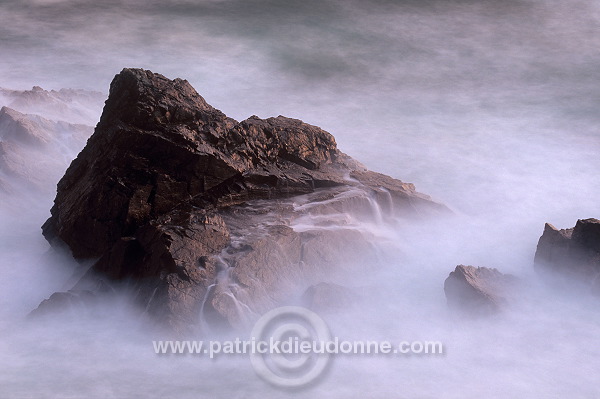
{"points": [[137, 95]]}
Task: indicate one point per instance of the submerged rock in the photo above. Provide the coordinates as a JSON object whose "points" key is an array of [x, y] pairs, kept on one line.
{"points": [[571, 253], [75, 302], [71, 301], [477, 291], [204, 217], [329, 297]]}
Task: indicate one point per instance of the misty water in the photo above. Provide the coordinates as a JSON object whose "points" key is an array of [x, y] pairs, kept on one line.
{"points": [[489, 107]]}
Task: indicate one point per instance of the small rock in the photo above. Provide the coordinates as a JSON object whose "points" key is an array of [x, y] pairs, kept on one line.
{"points": [[477, 291]]}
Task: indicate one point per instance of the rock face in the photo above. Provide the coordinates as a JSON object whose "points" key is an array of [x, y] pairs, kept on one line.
{"points": [[477, 291], [207, 218], [573, 252]]}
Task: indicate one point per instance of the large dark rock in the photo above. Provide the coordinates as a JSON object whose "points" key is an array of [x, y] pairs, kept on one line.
{"points": [[208, 218], [573, 253], [477, 291]]}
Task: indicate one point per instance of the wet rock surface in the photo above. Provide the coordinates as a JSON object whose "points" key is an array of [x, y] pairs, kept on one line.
{"points": [[206, 218]]}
